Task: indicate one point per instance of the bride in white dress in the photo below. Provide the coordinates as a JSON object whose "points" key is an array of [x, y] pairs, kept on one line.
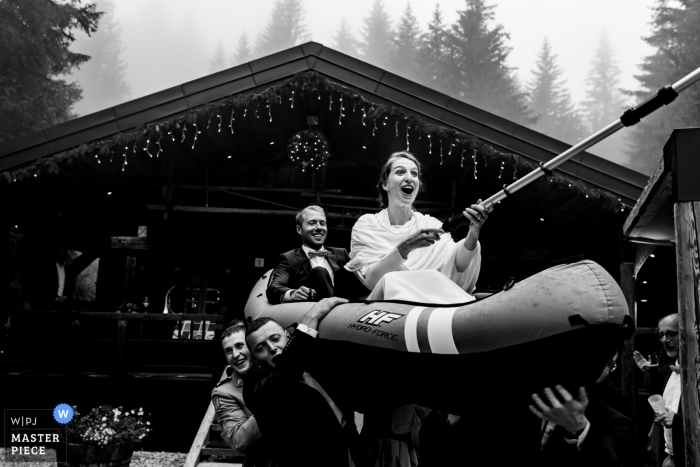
{"points": [[401, 254]]}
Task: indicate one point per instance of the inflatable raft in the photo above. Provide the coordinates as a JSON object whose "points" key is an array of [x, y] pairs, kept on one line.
{"points": [[559, 326]]}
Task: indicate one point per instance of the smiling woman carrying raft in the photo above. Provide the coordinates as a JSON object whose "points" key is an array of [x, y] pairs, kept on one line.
{"points": [[401, 254]]}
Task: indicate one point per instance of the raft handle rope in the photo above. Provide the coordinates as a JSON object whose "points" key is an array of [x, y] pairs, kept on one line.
{"points": [[664, 96]]}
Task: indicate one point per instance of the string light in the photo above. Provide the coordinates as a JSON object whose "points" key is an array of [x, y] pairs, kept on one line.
{"points": [[451, 146], [269, 110], [330, 103], [501, 169], [256, 110], [461, 164], [160, 149], [245, 111], [375, 127], [292, 99], [230, 125], [148, 142], [440, 151], [474, 160], [340, 120], [408, 144], [364, 114], [430, 149], [221, 120], [397, 127], [354, 104], [171, 135], [196, 132], [385, 119], [125, 161], [184, 129], [98, 159], [208, 122]]}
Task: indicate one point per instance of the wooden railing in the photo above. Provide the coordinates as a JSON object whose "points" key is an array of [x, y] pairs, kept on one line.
{"points": [[106, 342]]}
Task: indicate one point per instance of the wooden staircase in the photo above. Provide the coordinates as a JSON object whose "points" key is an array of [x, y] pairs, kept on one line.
{"points": [[208, 443]]}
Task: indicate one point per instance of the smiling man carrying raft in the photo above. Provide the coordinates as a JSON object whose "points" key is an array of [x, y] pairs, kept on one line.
{"points": [[402, 254]]}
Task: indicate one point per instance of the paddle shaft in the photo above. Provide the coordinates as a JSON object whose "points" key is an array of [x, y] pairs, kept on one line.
{"points": [[664, 96]]}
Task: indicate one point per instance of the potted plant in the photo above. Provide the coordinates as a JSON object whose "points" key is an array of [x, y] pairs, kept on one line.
{"points": [[105, 437]]}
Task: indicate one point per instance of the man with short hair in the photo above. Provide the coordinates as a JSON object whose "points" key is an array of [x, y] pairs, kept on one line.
{"points": [[667, 381], [314, 271], [303, 417], [239, 428]]}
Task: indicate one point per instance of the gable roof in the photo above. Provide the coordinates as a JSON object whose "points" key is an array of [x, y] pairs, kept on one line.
{"points": [[380, 85]]}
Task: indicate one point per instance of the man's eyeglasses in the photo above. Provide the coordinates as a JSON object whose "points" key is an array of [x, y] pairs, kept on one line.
{"points": [[611, 366], [669, 334]]}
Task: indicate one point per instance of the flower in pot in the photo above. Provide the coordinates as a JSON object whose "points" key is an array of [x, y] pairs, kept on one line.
{"points": [[105, 437]]}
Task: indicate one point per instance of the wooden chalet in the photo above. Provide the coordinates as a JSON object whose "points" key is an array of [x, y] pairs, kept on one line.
{"points": [[191, 192]]}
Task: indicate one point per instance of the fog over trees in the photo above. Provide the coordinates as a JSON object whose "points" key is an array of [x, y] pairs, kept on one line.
{"points": [[466, 56]]}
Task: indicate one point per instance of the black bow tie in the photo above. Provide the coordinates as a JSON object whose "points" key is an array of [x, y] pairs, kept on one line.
{"points": [[321, 254]]}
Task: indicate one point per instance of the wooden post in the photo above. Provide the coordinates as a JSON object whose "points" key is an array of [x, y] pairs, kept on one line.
{"points": [[687, 222], [627, 365], [120, 357]]}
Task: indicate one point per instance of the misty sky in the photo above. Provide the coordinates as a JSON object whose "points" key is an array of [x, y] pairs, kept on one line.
{"points": [[168, 42]]}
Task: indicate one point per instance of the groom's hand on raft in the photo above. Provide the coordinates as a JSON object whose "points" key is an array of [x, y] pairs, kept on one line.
{"points": [[477, 214], [320, 310], [420, 239], [302, 294], [568, 412]]}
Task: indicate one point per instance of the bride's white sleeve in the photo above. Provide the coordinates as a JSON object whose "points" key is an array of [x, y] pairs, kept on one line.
{"points": [[371, 274], [467, 278]]}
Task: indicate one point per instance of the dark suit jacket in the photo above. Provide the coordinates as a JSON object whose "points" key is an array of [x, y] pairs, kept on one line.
{"points": [[609, 442], [656, 383], [296, 419], [293, 268]]}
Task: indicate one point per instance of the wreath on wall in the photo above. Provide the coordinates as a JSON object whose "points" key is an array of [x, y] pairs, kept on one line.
{"points": [[308, 149]]}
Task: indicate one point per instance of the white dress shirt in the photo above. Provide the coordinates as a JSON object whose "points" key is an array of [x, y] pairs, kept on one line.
{"points": [[672, 399], [315, 262]]}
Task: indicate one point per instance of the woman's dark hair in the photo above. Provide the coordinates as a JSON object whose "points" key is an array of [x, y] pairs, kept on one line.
{"points": [[384, 174]]}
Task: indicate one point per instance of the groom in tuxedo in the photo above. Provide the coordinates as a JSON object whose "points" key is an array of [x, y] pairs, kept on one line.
{"points": [[314, 271]]}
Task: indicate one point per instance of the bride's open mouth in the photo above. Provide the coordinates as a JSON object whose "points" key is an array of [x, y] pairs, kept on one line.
{"points": [[408, 189]]}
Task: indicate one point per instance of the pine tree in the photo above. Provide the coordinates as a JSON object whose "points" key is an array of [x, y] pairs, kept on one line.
{"points": [[604, 100], [218, 61], [35, 36], [285, 28], [103, 78], [344, 40], [243, 52], [551, 101], [377, 35], [476, 70], [432, 53], [676, 38], [402, 58]]}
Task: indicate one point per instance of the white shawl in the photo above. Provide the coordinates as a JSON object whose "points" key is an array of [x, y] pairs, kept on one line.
{"points": [[373, 238]]}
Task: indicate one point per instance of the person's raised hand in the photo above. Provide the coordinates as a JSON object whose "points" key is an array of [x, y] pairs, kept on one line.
{"points": [[665, 419], [420, 239], [568, 412], [642, 362], [301, 294], [478, 214]]}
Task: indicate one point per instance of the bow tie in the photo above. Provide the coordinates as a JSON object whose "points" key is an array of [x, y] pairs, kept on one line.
{"points": [[321, 254]]}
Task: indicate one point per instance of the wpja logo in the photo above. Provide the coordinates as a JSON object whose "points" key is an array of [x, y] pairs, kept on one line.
{"points": [[377, 317], [36, 435]]}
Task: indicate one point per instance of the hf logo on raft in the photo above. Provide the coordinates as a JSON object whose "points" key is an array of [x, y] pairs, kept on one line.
{"points": [[377, 317], [374, 320]]}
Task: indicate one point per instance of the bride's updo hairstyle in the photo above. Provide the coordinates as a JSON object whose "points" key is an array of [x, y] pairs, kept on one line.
{"points": [[384, 174]]}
